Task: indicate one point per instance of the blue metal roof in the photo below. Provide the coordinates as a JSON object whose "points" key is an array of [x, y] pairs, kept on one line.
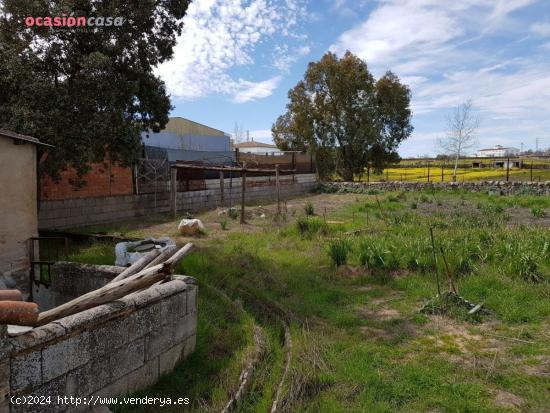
{"points": [[170, 140]]}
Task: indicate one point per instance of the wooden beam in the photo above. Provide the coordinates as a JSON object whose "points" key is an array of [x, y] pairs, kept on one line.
{"points": [[114, 291], [222, 189], [230, 169], [278, 184], [137, 266], [173, 190], [243, 191]]}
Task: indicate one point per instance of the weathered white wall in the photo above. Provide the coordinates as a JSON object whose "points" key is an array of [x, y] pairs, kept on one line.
{"points": [[18, 207]]}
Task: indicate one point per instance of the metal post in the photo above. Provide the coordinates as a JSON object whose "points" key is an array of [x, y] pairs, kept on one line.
{"points": [[173, 190], [531, 171], [508, 170], [442, 173], [243, 189], [222, 188]]}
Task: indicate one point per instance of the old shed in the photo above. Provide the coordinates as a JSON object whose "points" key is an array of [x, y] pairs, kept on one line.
{"points": [[18, 207]]}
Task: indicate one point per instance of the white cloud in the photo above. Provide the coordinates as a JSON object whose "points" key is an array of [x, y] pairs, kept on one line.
{"points": [[220, 36], [445, 51], [250, 91], [541, 29]]}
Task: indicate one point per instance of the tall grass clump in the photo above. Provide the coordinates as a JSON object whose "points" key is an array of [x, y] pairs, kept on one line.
{"points": [[309, 226], [309, 209], [338, 251], [377, 254]]}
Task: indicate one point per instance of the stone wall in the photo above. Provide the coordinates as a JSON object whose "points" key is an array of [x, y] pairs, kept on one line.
{"points": [[69, 280], [110, 350], [500, 187], [87, 211]]}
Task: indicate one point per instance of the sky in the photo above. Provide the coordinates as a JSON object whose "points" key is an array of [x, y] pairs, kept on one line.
{"points": [[236, 60]]}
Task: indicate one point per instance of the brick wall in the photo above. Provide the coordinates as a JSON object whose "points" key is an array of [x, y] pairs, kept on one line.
{"points": [[104, 179], [57, 214], [106, 351]]}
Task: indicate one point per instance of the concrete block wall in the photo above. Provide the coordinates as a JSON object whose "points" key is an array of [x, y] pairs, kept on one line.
{"points": [[87, 211], [106, 351], [69, 280]]}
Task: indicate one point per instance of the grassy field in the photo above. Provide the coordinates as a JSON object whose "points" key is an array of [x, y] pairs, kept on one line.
{"points": [[359, 341]]}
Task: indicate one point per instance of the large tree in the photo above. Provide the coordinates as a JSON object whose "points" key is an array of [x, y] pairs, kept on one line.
{"points": [[345, 117], [89, 91]]}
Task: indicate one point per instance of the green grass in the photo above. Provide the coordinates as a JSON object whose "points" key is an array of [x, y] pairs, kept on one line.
{"points": [[347, 354]]}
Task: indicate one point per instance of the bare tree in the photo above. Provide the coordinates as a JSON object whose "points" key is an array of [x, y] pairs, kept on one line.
{"points": [[238, 133], [462, 126]]}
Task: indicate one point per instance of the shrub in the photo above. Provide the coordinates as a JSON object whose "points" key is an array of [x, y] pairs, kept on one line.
{"points": [[376, 256], [338, 251], [309, 226], [309, 209], [232, 213], [223, 224], [538, 212], [414, 205]]}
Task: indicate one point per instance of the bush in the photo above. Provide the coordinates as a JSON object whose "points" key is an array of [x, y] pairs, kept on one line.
{"points": [[414, 205], [232, 213], [309, 226], [223, 224], [309, 209], [338, 251]]}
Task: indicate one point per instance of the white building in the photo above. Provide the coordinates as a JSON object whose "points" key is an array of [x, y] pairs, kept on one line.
{"points": [[258, 148], [498, 151]]}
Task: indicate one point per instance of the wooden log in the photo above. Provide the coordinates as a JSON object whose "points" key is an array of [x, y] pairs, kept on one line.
{"points": [[164, 255], [107, 293], [137, 266], [116, 290], [10, 295], [18, 313]]}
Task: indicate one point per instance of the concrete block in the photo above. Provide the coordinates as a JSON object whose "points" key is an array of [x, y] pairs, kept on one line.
{"points": [[173, 307], [159, 341], [89, 378], [144, 321], [116, 388], [65, 355], [169, 359], [109, 336], [192, 292], [26, 371], [93, 316], [190, 345], [127, 359], [143, 377], [4, 379], [51, 389]]}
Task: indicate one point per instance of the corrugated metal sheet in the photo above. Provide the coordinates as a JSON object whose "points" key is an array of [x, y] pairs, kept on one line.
{"points": [[171, 140], [173, 155], [182, 126]]}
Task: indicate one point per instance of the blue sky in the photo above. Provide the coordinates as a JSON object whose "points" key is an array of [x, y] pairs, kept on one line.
{"points": [[237, 59]]}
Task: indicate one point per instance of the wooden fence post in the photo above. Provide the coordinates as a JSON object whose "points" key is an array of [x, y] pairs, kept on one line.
{"points": [[222, 189], [442, 173], [531, 171], [243, 190], [173, 190], [507, 169], [428, 172], [278, 184]]}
